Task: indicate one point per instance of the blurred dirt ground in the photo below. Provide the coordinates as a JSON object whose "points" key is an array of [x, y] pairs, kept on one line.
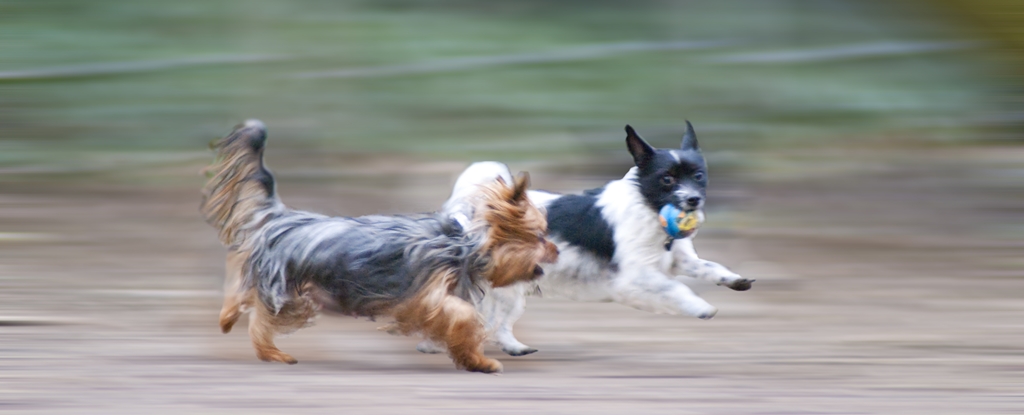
{"points": [[884, 286]]}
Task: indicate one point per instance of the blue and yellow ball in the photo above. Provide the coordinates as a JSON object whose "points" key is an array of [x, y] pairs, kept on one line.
{"points": [[676, 223]]}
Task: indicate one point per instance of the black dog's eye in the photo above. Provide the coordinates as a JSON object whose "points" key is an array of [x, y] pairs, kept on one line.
{"points": [[668, 180], [698, 176]]}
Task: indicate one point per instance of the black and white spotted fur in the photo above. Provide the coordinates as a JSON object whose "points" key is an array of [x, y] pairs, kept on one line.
{"points": [[612, 247]]}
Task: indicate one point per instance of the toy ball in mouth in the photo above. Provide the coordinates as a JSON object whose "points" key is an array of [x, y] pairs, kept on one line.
{"points": [[676, 223]]}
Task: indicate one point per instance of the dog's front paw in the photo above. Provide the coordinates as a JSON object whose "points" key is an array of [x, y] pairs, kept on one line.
{"points": [[486, 366], [740, 284]]}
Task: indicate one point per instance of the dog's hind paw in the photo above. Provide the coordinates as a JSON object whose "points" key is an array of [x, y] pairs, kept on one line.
{"points": [[228, 317], [225, 326], [430, 347], [707, 315], [390, 328], [276, 356], [519, 351], [741, 284]]}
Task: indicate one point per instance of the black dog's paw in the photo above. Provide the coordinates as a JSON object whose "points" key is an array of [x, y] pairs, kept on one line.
{"points": [[742, 284], [519, 352]]}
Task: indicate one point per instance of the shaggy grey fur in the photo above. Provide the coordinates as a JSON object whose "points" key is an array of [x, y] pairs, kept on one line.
{"points": [[366, 264]]}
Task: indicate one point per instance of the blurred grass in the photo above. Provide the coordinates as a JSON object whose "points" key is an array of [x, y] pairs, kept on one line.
{"points": [[112, 79]]}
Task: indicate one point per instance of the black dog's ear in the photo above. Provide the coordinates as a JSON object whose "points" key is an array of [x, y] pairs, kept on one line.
{"points": [[641, 151], [690, 138]]}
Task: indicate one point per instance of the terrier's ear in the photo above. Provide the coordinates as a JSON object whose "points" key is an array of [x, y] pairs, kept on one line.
{"points": [[690, 138], [501, 180], [522, 183], [641, 151]]}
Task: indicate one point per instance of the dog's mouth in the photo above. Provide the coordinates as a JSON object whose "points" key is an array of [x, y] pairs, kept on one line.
{"points": [[688, 202], [549, 253], [678, 223], [688, 207]]}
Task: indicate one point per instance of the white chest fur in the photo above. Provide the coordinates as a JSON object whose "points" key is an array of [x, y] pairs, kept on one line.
{"points": [[639, 239]]}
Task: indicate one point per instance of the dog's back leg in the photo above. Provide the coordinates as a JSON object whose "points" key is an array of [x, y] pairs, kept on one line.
{"points": [[235, 299], [262, 329], [501, 310], [649, 290]]}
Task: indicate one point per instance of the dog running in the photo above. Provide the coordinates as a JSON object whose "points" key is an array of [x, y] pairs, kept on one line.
{"points": [[425, 271], [616, 242]]}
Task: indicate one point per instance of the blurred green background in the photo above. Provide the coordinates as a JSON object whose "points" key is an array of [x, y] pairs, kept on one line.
{"points": [[96, 84]]}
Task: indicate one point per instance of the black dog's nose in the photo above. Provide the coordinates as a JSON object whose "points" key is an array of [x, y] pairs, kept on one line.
{"points": [[693, 201]]}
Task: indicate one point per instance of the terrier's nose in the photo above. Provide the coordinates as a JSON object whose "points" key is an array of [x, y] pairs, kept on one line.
{"points": [[693, 201], [550, 254]]}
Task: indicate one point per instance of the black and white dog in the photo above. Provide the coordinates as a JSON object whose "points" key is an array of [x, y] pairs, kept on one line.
{"points": [[612, 246]]}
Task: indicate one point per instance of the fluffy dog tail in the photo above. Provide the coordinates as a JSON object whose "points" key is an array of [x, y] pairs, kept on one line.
{"points": [[239, 196]]}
